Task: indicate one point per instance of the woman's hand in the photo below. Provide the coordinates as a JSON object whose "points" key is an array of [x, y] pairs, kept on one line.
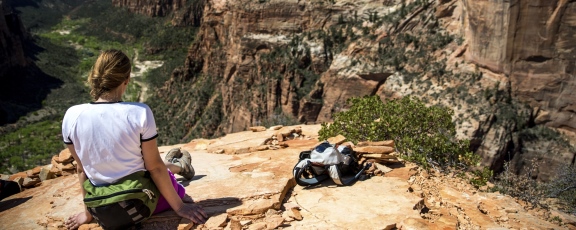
{"points": [[159, 174], [193, 212]]}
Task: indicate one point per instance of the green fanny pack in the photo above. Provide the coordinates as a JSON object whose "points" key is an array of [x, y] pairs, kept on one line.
{"points": [[127, 202]]}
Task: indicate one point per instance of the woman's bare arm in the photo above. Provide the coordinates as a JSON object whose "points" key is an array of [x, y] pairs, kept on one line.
{"points": [[75, 221], [159, 174]]}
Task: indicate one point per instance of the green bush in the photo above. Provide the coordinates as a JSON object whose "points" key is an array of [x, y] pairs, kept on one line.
{"points": [[481, 177], [424, 135]]}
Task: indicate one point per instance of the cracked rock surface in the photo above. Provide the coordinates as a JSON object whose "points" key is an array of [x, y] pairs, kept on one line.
{"points": [[255, 190]]}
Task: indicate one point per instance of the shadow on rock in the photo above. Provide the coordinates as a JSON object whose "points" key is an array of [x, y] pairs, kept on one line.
{"points": [[217, 206], [170, 220], [8, 204], [185, 182]]}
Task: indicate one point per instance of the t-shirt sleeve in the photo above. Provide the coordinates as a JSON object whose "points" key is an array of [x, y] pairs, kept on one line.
{"points": [[149, 128], [66, 128]]}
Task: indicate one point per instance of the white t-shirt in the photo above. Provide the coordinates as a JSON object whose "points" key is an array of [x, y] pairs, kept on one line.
{"points": [[107, 138]]}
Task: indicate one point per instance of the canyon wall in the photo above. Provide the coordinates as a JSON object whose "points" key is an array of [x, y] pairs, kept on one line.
{"points": [[248, 51], [152, 8], [183, 12], [531, 44], [231, 39], [12, 58], [12, 35], [259, 62]]}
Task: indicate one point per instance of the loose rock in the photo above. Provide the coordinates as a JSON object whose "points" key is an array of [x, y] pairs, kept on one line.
{"points": [[258, 128], [295, 213], [217, 221], [258, 226], [337, 140], [65, 156]]}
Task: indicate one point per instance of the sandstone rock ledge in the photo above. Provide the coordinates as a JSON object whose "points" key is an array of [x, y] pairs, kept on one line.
{"points": [[255, 190]]}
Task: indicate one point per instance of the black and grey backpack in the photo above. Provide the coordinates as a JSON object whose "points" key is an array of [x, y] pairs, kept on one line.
{"points": [[328, 161]]}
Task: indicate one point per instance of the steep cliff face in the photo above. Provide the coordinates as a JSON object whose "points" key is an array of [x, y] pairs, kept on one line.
{"points": [[245, 32], [12, 35], [152, 8], [531, 44], [264, 60], [232, 37], [23, 85], [184, 13], [261, 62]]}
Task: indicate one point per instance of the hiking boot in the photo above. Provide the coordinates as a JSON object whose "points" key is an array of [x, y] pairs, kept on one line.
{"points": [[186, 169], [173, 154]]}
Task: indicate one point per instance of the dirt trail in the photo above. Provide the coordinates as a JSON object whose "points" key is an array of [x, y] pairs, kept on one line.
{"points": [[141, 68]]}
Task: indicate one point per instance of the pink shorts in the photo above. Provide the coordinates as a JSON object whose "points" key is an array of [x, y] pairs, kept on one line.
{"points": [[162, 203]]}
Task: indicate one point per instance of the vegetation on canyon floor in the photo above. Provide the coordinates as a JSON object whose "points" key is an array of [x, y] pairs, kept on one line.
{"points": [[65, 41]]}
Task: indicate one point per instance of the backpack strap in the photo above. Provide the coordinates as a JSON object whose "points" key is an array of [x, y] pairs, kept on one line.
{"points": [[304, 155], [334, 172], [306, 166]]}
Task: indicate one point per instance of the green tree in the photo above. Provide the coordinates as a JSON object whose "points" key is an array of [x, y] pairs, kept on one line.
{"points": [[424, 135]]}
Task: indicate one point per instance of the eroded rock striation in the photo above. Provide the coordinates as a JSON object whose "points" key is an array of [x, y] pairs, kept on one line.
{"points": [[264, 61], [184, 13], [530, 43], [256, 62], [152, 8]]}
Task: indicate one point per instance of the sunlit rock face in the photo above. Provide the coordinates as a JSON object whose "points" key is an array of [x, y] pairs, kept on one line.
{"points": [[183, 13], [525, 46], [234, 47], [532, 42], [238, 179], [152, 8]]}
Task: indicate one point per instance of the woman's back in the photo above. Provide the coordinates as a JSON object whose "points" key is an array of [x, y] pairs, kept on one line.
{"points": [[107, 137], [112, 141]]}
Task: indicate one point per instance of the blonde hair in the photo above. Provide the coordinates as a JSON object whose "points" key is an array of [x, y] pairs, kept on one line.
{"points": [[111, 69]]}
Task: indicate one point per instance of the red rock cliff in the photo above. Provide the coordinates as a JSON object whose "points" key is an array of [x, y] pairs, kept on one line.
{"points": [[152, 8], [529, 43], [260, 61], [183, 12], [532, 43], [248, 51]]}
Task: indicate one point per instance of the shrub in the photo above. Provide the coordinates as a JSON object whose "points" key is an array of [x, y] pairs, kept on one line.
{"points": [[563, 187], [522, 186], [424, 135], [481, 177]]}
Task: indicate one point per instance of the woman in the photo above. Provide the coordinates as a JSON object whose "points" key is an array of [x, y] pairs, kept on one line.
{"points": [[110, 139]]}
